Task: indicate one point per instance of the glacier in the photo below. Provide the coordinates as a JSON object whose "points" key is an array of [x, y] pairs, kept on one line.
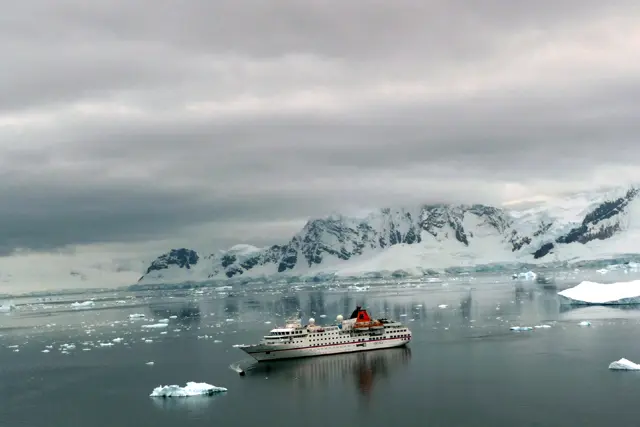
{"points": [[587, 228]]}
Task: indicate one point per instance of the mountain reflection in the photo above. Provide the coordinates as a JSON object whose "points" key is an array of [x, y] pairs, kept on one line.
{"points": [[365, 368]]}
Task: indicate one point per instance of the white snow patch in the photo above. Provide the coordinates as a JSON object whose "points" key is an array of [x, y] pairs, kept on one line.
{"points": [[624, 365], [191, 389], [598, 293]]}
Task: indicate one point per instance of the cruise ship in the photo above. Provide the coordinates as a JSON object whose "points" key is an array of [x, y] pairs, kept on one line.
{"points": [[358, 333]]}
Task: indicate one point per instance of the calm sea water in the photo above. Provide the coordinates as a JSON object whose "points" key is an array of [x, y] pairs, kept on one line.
{"points": [[463, 368]]}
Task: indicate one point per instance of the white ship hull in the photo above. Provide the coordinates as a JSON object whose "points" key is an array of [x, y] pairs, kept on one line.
{"points": [[358, 333], [263, 352]]}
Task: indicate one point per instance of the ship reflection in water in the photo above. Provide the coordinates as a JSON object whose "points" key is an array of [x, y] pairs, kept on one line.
{"points": [[366, 367]]}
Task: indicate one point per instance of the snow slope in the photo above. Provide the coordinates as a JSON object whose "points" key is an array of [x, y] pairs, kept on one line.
{"points": [[417, 240]]}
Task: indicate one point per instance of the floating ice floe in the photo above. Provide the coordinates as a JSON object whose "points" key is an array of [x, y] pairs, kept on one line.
{"points": [[584, 323], [191, 389], [624, 365], [85, 304], [592, 293], [529, 328], [155, 325], [529, 275]]}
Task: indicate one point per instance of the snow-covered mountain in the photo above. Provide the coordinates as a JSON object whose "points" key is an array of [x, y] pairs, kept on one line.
{"points": [[423, 239]]}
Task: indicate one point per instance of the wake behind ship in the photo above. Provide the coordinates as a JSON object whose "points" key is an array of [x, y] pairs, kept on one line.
{"points": [[358, 333]]}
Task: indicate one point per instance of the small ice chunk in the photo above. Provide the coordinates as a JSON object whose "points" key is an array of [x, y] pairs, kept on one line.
{"points": [[117, 340], [155, 325], [136, 316], [84, 304], [584, 323], [45, 351], [443, 306], [150, 363], [173, 317], [163, 321], [529, 275], [521, 328], [624, 365], [7, 308], [542, 326], [148, 341], [106, 344], [191, 389]]}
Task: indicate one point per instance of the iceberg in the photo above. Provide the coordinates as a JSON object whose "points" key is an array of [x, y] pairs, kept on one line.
{"points": [[191, 389], [624, 365], [7, 308], [592, 293]]}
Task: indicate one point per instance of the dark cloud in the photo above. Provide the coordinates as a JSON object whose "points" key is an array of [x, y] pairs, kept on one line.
{"points": [[129, 122]]}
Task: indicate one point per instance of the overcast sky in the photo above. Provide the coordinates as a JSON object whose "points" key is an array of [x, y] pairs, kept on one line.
{"points": [[206, 122]]}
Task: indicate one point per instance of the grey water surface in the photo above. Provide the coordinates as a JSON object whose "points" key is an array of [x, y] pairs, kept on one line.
{"points": [[464, 366]]}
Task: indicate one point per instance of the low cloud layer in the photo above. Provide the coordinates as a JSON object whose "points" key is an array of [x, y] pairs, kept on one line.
{"points": [[234, 121]]}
